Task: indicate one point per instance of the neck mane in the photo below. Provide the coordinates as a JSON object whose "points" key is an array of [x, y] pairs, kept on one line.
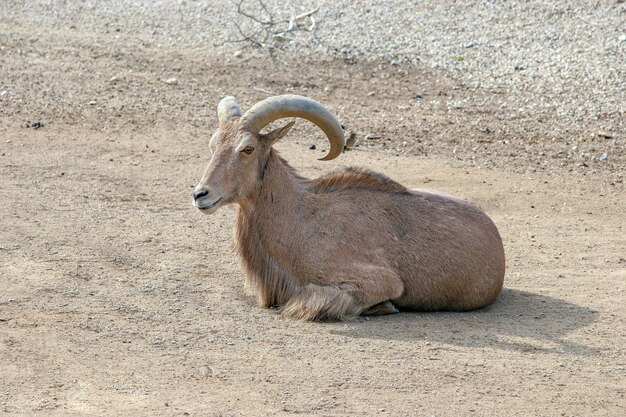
{"points": [[265, 278]]}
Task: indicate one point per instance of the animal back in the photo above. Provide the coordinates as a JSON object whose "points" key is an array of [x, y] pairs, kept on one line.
{"points": [[356, 178]]}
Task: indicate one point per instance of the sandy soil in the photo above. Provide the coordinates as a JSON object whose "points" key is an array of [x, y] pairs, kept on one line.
{"points": [[118, 298]]}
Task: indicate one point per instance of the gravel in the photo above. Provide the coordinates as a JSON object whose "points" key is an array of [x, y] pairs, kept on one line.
{"points": [[562, 59]]}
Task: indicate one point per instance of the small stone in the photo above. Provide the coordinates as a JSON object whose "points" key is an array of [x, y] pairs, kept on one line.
{"points": [[328, 89], [604, 157], [372, 136], [93, 102], [4, 93], [206, 371], [312, 146], [395, 63], [36, 125], [171, 81], [350, 141], [238, 54], [114, 79]]}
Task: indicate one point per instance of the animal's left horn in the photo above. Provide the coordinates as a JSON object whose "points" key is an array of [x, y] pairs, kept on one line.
{"points": [[227, 108], [288, 105]]}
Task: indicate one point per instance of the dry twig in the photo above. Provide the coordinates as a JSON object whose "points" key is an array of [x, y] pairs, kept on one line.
{"points": [[271, 33]]}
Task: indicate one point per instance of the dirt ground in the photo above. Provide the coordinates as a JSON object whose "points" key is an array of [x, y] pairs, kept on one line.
{"points": [[118, 298]]}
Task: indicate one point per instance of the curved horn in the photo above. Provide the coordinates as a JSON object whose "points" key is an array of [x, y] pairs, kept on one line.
{"points": [[228, 108], [288, 105]]}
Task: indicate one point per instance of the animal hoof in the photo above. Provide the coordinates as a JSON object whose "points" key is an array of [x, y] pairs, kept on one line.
{"points": [[381, 309]]}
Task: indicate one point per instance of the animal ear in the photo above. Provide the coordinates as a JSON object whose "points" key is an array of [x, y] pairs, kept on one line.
{"points": [[273, 136]]}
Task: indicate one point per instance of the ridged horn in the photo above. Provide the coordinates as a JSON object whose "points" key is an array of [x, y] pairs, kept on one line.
{"points": [[227, 108], [289, 105]]}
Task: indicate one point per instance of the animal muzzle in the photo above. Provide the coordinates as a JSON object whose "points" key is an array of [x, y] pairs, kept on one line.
{"points": [[204, 201], [197, 194]]}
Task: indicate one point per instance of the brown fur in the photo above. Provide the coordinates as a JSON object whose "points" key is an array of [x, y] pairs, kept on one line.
{"points": [[356, 178], [353, 241], [265, 278]]}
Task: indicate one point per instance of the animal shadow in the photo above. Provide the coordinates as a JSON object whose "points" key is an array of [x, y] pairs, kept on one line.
{"points": [[517, 320]]}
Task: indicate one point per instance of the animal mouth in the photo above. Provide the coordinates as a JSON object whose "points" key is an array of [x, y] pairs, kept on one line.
{"points": [[209, 205]]}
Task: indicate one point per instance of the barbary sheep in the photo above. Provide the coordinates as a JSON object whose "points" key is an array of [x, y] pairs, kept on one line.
{"points": [[350, 242]]}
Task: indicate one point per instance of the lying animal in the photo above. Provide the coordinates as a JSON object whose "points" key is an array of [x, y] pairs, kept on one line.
{"points": [[351, 242]]}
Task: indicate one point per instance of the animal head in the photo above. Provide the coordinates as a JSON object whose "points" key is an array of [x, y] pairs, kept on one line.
{"points": [[239, 151]]}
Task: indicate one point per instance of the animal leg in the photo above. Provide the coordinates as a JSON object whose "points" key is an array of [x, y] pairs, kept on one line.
{"points": [[381, 309], [374, 289], [321, 303], [347, 296]]}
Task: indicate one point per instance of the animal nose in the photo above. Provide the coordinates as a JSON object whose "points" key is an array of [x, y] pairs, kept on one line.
{"points": [[199, 194]]}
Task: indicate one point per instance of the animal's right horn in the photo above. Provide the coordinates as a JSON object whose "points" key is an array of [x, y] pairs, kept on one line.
{"points": [[289, 105], [227, 108]]}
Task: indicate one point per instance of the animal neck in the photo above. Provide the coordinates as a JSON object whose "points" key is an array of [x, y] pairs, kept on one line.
{"points": [[263, 215]]}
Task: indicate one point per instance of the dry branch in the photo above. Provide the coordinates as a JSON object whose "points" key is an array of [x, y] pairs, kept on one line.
{"points": [[270, 33]]}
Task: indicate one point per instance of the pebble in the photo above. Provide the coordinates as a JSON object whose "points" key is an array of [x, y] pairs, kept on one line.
{"points": [[171, 81], [312, 146], [372, 136], [114, 79], [206, 371], [604, 157], [4, 93], [351, 140], [328, 89], [238, 54]]}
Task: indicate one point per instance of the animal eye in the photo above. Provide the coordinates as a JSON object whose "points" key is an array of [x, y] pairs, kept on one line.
{"points": [[248, 150]]}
